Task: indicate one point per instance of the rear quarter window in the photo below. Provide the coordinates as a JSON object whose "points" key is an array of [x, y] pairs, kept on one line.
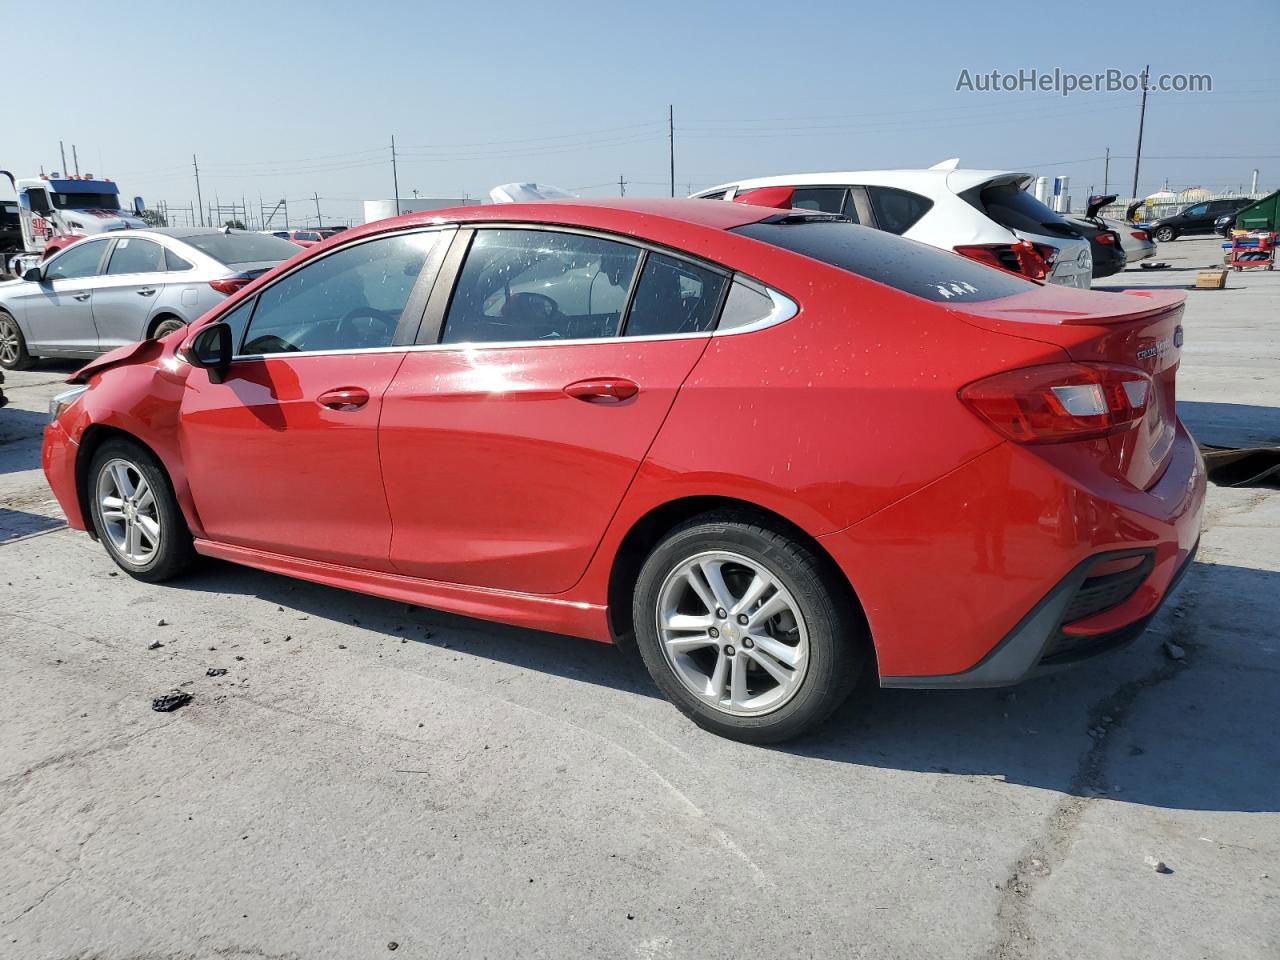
{"points": [[915, 268]]}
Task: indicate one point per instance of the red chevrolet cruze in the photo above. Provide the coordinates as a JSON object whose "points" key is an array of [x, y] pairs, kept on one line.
{"points": [[776, 450]]}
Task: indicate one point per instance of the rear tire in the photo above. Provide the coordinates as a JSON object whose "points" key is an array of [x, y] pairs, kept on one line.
{"points": [[744, 630], [136, 514], [166, 327], [13, 345]]}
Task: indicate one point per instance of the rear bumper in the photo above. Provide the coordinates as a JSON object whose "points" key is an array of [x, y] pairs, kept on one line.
{"points": [[990, 575], [58, 459], [1039, 644]]}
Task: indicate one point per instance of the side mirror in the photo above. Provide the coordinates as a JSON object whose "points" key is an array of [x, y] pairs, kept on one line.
{"points": [[34, 275], [138, 206], [211, 348]]}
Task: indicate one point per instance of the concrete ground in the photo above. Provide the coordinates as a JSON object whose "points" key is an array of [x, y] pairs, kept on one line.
{"points": [[364, 776]]}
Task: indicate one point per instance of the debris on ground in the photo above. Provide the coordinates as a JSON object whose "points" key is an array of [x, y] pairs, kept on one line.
{"points": [[171, 701], [162, 622], [216, 672], [1157, 865], [1242, 467], [393, 945], [1173, 651], [1154, 264], [154, 645]]}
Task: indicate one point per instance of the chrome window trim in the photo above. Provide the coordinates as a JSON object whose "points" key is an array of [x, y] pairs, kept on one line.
{"points": [[784, 308]]}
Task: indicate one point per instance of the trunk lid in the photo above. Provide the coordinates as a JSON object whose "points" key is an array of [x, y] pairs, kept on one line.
{"points": [[1135, 328]]}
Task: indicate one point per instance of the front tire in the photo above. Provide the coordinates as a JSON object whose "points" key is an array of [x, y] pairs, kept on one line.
{"points": [[13, 345], [745, 630], [136, 514], [1166, 234]]}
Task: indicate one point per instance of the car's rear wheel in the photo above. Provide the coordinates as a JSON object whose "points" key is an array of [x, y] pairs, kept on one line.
{"points": [[166, 327], [744, 630], [13, 345], [1166, 234], [136, 514]]}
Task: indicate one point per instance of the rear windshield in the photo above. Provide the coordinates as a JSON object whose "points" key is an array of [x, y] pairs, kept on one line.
{"points": [[241, 247], [905, 265], [1012, 207]]}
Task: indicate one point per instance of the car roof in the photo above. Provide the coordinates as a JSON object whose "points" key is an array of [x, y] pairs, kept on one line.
{"points": [[611, 214], [955, 181]]}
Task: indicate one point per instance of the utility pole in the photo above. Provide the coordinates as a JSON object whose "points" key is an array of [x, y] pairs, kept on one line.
{"points": [[1142, 117], [1106, 172], [319, 219], [63, 150], [395, 177], [75, 158], [671, 138], [622, 186], [199, 196]]}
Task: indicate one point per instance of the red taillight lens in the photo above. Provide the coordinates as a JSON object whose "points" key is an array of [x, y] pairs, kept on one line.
{"points": [[1057, 402], [229, 285], [1107, 239], [1029, 259], [1140, 235]]}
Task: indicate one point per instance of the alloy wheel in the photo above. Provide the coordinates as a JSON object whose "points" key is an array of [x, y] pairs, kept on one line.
{"points": [[129, 512], [732, 633], [10, 339]]}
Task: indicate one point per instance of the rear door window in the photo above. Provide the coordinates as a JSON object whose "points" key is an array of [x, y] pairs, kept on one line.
{"points": [[135, 255], [519, 285], [905, 265], [674, 296], [897, 211], [825, 199]]}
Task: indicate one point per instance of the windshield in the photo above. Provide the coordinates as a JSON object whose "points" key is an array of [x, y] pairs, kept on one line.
{"points": [[86, 201], [234, 247], [905, 265]]}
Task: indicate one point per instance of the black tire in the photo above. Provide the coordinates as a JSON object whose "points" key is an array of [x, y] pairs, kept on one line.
{"points": [[1166, 234], [13, 345], [836, 641], [174, 553], [166, 327]]}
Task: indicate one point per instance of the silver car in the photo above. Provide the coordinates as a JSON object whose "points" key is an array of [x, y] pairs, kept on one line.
{"points": [[106, 291]]}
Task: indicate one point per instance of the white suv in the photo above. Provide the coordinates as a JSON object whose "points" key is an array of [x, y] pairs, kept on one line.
{"points": [[986, 215]]}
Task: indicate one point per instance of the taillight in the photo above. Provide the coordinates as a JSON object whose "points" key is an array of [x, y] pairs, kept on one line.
{"points": [[1057, 402], [1106, 238], [1141, 235], [1029, 259], [230, 285]]}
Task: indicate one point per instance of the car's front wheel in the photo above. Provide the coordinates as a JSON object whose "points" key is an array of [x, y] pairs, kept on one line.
{"points": [[13, 345], [136, 514], [1166, 234], [745, 630]]}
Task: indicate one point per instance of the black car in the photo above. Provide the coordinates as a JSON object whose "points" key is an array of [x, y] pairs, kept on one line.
{"points": [[1104, 243], [1197, 218]]}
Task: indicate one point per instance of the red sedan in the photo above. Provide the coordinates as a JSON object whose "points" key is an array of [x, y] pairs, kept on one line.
{"points": [[776, 450]]}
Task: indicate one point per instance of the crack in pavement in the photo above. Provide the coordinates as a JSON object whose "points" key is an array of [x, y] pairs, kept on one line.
{"points": [[1017, 939]]}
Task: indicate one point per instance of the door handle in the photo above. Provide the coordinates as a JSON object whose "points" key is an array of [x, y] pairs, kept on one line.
{"points": [[344, 398], [146, 291], [80, 296], [602, 390]]}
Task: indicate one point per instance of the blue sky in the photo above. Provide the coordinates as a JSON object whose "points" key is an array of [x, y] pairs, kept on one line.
{"points": [[290, 99]]}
